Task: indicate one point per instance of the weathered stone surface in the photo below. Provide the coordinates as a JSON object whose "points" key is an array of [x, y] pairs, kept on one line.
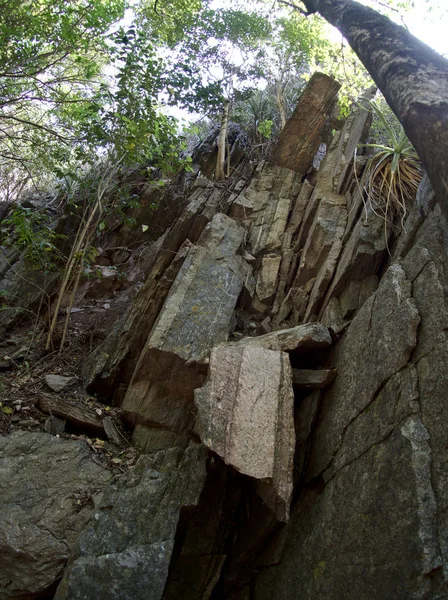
{"points": [[46, 490], [267, 201], [110, 367], [354, 132], [78, 415], [309, 124], [425, 264], [362, 253], [267, 276], [360, 537], [319, 241], [376, 525], [397, 400], [245, 415], [125, 551], [196, 567], [377, 345], [59, 382], [306, 337], [313, 379], [195, 316]]}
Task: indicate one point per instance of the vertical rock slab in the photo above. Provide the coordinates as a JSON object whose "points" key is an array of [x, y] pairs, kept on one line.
{"points": [[354, 132], [125, 552], [309, 124], [108, 369], [245, 415], [195, 316], [47, 486]]}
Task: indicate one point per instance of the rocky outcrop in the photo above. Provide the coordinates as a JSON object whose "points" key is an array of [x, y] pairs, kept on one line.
{"points": [[48, 490], [374, 485], [288, 353], [110, 367]]}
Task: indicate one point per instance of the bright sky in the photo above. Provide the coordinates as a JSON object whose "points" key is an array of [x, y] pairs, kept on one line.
{"points": [[426, 21]]}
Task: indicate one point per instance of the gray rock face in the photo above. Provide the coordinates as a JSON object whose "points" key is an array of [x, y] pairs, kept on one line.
{"points": [[376, 526], [195, 316], [59, 382], [125, 552], [245, 415], [47, 487], [377, 345], [360, 538]]}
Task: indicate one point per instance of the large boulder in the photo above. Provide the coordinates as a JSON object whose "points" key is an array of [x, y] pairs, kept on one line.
{"points": [[125, 552], [48, 487]]}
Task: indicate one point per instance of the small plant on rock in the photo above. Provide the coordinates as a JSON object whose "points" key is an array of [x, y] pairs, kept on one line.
{"points": [[393, 173]]}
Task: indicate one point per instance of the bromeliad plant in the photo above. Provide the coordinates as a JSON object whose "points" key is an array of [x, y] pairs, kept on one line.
{"points": [[392, 174]]}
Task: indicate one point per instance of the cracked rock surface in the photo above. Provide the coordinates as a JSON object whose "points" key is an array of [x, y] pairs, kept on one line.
{"points": [[47, 491], [125, 552]]}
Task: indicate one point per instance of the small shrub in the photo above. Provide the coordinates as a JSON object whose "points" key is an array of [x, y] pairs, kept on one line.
{"points": [[31, 232]]}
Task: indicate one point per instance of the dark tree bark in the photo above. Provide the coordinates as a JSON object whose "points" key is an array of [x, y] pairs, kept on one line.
{"points": [[412, 77]]}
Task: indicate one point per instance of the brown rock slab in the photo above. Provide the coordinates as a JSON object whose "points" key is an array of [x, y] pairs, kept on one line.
{"points": [[82, 417], [245, 415], [308, 125], [195, 316], [313, 379]]}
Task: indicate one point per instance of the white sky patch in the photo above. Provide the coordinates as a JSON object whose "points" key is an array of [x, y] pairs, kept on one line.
{"points": [[428, 23]]}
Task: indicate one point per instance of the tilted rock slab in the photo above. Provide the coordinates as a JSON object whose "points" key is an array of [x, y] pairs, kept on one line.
{"points": [[47, 486], [245, 415], [125, 552], [306, 337], [308, 125], [195, 317]]}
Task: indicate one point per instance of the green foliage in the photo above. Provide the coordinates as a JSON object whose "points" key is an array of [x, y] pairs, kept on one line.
{"points": [[265, 128], [70, 91], [216, 55], [31, 232], [51, 57]]}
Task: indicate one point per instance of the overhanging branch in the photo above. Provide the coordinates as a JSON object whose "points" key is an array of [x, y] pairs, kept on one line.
{"points": [[306, 13]]}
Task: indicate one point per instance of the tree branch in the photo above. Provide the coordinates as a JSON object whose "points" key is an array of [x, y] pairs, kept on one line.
{"points": [[295, 7]]}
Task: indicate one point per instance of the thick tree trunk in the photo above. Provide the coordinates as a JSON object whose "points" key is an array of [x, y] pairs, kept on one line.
{"points": [[412, 77], [221, 159]]}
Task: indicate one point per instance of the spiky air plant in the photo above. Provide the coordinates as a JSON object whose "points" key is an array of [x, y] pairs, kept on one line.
{"points": [[392, 175]]}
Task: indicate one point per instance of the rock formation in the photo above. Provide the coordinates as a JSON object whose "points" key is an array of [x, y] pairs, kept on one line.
{"points": [[284, 370]]}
